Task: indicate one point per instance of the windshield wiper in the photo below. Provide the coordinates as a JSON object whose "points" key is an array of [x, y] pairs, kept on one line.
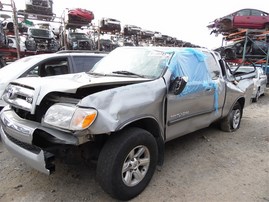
{"points": [[124, 72]]}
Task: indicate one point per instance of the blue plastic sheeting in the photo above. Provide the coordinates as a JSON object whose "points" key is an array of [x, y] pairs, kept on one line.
{"points": [[192, 64]]}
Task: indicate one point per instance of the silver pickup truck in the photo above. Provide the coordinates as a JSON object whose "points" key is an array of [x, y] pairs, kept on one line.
{"points": [[122, 112]]}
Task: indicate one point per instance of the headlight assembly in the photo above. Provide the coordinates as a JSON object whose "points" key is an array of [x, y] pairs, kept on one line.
{"points": [[70, 117]]}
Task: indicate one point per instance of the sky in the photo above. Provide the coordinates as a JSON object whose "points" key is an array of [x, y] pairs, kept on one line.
{"points": [[186, 20]]}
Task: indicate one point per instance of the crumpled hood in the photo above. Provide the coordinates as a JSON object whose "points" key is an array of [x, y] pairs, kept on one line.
{"points": [[69, 83]]}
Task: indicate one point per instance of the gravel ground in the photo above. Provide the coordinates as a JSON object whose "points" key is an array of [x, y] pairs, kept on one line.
{"points": [[208, 165]]}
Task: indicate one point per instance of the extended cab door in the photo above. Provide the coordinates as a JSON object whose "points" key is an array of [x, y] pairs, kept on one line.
{"points": [[198, 105]]}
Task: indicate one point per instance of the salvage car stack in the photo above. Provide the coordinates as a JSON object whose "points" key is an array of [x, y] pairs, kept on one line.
{"points": [[76, 31], [246, 34]]}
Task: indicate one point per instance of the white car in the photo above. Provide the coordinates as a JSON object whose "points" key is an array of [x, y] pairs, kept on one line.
{"points": [[12, 42], [259, 79], [47, 65]]}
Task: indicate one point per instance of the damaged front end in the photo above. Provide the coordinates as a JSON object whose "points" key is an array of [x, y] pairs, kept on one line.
{"points": [[18, 137], [27, 129], [41, 40], [222, 25], [38, 131]]}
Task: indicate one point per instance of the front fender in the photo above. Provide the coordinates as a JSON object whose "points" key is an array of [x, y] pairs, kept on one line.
{"points": [[118, 106]]}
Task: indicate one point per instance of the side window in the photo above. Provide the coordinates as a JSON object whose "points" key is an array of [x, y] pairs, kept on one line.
{"points": [[51, 67], [256, 13], [33, 72], [85, 63], [213, 66], [243, 13], [10, 42]]}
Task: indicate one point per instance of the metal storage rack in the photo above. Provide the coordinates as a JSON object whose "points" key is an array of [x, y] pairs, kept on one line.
{"points": [[8, 54], [251, 36]]}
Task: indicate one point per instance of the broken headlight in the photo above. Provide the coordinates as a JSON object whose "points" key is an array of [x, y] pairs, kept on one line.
{"points": [[70, 117]]}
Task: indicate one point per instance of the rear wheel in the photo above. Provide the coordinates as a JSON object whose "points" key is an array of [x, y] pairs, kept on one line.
{"points": [[232, 122], [127, 163]]}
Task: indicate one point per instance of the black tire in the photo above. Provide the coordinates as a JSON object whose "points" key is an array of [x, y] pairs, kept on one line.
{"points": [[232, 121], [129, 147]]}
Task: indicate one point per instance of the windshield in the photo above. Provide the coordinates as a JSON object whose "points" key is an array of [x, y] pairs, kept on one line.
{"points": [[128, 61], [78, 36], [41, 33]]}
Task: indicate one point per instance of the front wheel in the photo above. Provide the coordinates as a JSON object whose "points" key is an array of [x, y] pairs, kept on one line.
{"points": [[127, 163], [232, 121]]}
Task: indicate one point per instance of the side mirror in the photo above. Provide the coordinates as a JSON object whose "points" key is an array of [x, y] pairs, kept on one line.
{"points": [[178, 85]]}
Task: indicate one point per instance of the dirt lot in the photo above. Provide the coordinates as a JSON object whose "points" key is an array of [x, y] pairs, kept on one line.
{"points": [[208, 165]]}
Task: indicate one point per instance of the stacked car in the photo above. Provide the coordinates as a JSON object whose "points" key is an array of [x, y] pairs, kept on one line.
{"points": [[43, 7], [110, 25], [42, 40], [76, 41], [246, 33], [244, 18], [79, 17]]}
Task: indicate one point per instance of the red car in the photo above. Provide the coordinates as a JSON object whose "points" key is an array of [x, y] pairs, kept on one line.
{"points": [[80, 15], [245, 18]]}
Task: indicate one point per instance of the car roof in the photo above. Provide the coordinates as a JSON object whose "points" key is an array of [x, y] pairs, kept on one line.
{"points": [[80, 52], [253, 9], [164, 48], [57, 54], [171, 49]]}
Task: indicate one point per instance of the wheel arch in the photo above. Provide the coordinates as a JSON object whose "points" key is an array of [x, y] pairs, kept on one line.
{"points": [[228, 108], [231, 121], [241, 101], [151, 125]]}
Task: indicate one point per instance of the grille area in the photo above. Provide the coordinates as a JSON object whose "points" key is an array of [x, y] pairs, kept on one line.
{"points": [[19, 96]]}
